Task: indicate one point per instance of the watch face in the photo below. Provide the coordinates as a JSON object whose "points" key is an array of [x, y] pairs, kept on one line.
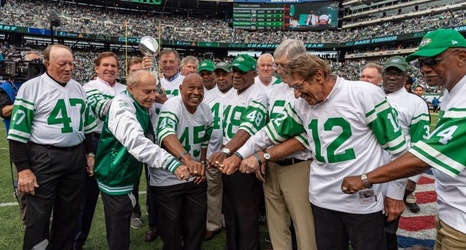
{"points": [[267, 156]]}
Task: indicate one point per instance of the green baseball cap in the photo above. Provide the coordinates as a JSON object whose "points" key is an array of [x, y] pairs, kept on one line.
{"points": [[436, 42], [206, 65], [223, 66], [398, 62], [244, 63]]}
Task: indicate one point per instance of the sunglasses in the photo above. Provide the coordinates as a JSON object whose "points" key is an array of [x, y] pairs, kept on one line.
{"points": [[393, 73], [431, 61]]}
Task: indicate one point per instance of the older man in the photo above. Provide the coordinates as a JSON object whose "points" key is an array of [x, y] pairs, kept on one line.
{"points": [[126, 143], [50, 120], [184, 129], [245, 113], [189, 65], [413, 118], [172, 79], [372, 73], [441, 58], [265, 78]]}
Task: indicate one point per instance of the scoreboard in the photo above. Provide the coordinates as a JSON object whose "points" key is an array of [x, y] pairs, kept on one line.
{"points": [[286, 16]]}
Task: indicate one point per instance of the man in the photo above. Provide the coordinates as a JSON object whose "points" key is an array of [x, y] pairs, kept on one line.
{"points": [[50, 121], [340, 115], [184, 129], [127, 141], [216, 97], [244, 114], [435, 103], [265, 71], [286, 179], [371, 73], [134, 64], [100, 93], [172, 79], [189, 65], [413, 118], [8, 92], [206, 71], [409, 84], [440, 57]]}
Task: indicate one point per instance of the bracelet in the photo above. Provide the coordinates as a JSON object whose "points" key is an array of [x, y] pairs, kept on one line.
{"points": [[183, 154], [258, 159], [204, 163], [239, 155]]}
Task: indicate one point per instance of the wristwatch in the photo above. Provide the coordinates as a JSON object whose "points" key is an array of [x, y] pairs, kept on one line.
{"points": [[266, 156], [365, 181], [226, 151]]}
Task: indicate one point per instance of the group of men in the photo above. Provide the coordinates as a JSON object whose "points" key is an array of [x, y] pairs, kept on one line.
{"points": [[209, 140]]}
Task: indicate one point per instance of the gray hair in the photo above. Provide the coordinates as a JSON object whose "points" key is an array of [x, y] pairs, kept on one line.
{"points": [[290, 48], [137, 76]]}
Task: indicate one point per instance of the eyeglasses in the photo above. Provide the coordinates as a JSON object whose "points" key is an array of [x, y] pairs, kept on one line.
{"points": [[431, 61], [279, 65], [298, 86], [396, 74]]}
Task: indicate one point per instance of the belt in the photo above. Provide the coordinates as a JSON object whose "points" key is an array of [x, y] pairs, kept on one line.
{"points": [[289, 161], [55, 147]]}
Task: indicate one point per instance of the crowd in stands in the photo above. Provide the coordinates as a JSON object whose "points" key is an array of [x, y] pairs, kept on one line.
{"points": [[28, 13]]}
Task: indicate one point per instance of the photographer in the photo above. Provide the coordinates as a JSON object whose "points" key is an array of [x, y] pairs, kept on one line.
{"points": [[8, 92]]}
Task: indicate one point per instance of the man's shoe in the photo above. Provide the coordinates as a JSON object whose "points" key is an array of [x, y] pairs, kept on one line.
{"points": [[211, 234], [136, 223], [151, 235], [413, 207]]}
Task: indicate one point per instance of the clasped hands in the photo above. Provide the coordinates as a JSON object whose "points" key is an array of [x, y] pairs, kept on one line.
{"points": [[229, 165], [191, 168]]}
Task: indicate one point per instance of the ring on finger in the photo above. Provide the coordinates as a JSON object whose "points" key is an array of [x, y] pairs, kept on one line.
{"points": [[247, 172], [344, 189]]}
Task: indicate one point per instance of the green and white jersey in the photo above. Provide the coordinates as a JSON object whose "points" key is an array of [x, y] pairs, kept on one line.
{"points": [[246, 111], [279, 95], [172, 87], [48, 113], [192, 130], [216, 99], [259, 83], [443, 149], [347, 134], [413, 117], [99, 96]]}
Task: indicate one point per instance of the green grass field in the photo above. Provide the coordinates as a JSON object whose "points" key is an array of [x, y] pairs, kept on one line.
{"points": [[12, 230]]}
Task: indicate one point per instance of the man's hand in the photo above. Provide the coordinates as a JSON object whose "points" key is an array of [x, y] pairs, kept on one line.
{"points": [[90, 165], [147, 62], [410, 187], [27, 182], [200, 177], [231, 164], [393, 208], [216, 159], [161, 98], [352, 184], [195, 168], [182, 173]]}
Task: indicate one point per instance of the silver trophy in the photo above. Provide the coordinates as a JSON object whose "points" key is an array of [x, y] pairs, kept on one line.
{"points": [[149, 47]]}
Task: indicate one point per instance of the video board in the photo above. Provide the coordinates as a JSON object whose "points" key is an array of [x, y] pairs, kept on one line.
{"points": [[274, 15]]}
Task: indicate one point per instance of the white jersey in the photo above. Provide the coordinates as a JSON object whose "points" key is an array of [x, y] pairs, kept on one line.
{"points": [[99, 95], [413, 117], [192, 130], [279, 96], [444, 151], [172, 87], [216, 99], [246, 111], [258, 82], [347, 133], [48, 113]]}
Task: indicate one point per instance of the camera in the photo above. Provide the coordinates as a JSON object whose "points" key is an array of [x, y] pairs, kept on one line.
{"points": [[21, 71]]}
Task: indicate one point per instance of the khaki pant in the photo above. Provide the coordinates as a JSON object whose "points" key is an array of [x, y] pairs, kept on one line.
{"points": [[286, 191], [448, 238], [214, 199]]}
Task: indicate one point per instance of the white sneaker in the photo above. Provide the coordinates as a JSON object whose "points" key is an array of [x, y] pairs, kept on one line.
{"points": [[136, 223]]}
